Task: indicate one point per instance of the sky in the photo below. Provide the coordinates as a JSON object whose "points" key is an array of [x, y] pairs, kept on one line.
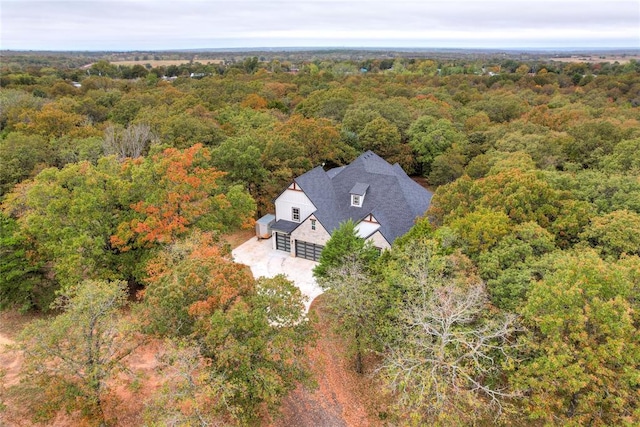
{"points": [[127, 25]]}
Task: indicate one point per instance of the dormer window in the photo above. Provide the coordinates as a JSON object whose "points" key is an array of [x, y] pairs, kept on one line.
{"points": [[357, 194]]}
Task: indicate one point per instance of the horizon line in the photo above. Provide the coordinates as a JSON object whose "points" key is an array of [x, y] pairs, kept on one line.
{"points": [[577, 49]]}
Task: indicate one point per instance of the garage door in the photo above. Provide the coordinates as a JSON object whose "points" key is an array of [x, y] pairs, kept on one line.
{"points": [[282, 242], [308, 250]]}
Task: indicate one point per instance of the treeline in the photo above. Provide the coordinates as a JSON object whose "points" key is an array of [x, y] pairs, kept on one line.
{"points": [[516, 295]]}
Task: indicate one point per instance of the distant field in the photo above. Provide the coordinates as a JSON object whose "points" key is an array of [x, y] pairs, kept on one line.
{"points": [[598, 58], [166, 63]]}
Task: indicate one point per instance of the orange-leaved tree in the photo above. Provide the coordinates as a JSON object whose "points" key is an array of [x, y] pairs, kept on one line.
{"points": [[249, 335], [175, 190]]}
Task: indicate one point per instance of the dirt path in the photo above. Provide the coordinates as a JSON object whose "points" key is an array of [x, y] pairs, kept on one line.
{"points": [[4, 340], [10, 362], [342, 398]]}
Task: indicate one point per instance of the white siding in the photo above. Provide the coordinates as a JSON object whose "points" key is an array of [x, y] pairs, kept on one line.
{"points": [[366, 229], [293, 199]]}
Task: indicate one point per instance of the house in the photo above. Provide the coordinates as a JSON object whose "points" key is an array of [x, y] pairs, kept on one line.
{"points": [[379, 198]]}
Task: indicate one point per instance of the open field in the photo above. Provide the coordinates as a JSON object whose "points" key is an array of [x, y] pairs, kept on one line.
{"points": [[621, 59]]}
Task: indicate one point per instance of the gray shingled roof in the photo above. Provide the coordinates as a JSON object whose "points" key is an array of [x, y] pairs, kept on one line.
{"points": [[393, 198], [359, 189], [285, 226]]}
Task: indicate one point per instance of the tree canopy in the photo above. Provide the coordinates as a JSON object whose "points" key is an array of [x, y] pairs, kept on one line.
{"points": [[511, 301]]}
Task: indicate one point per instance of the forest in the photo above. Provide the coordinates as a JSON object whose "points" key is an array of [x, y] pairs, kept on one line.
{"points": [[513, 301]]}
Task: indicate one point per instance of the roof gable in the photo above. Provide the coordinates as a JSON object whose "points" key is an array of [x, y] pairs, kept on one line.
{"points": [[391, 196]]}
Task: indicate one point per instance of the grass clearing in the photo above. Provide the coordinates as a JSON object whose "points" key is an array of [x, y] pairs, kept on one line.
{"points": [[596, 59]]}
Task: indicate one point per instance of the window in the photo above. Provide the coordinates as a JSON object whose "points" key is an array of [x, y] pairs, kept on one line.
{"points": [[355, 200], [313, 224], [295, 214]]}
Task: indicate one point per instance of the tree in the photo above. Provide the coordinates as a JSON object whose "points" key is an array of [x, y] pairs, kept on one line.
{"points": [[592, 140], [132, 141], [581, 360], [615, 233], [383, 137], [343, 243], [249, 334], [344, 273], [330, 103], [189, 390], [445, 349], [184, 129], [69, 215], [190, 271], [21, 156], [70, 358], [320, 139], [257, 346], [74, 150], [430, 137], [481, 230], [501, 106], [522, 195], [350, 297], [54, 121], [625, 157], [511, 266], [447, 167], [20, 278], [177, 190], [240, 158]]}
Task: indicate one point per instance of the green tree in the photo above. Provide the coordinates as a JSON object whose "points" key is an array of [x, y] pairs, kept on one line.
{"points": [[384, 138], [69, 216], [343, 243], [510, 267], [592, 140], [350, 297], [257, 345], [429, 137], [320, 139], [330, 103], [70, 359], [447, 167], [615, 233], [21, 156], [582, 351], [481, 230], [21, 283], [625, 157], [501, 106], [344, 272]]}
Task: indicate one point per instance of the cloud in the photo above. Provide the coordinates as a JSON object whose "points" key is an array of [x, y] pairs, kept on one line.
{"points": [[144, 24]]}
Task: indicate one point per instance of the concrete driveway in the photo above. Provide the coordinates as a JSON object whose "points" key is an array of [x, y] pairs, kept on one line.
{"points": [[267, 262]]}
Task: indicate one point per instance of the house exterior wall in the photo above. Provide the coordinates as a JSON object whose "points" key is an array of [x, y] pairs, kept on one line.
{"points": [[319, 236], [293, 199], [379, 241]]}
